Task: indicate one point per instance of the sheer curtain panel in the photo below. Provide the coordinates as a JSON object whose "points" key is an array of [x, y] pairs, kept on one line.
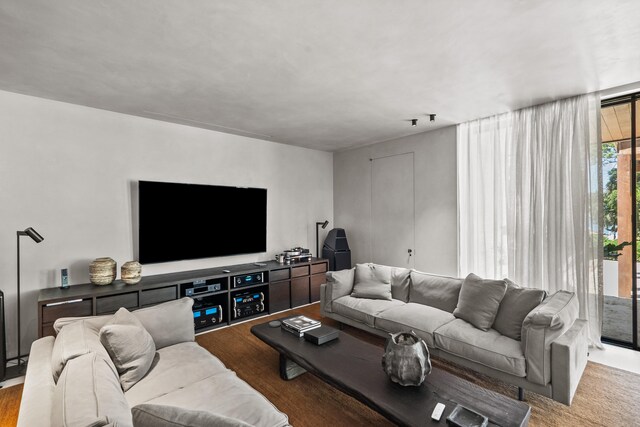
{"points": [[528, 200]]}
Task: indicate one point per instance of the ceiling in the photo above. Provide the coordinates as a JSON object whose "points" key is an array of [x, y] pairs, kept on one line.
{"points": [[328, 74], [615, 122]]}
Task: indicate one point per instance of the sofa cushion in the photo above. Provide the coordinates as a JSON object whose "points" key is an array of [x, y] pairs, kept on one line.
{"points": [[361, 309], [479, 301], [174, 367], [421, 319], [435, 291], [148, 415], [372, 281], [88, 393], [130, 346], [227, 395], [514, 307], [489, 348], [168, 323], [75, 339]]}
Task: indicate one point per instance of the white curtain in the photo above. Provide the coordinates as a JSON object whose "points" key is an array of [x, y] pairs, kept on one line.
{"points": [[528, 200]]}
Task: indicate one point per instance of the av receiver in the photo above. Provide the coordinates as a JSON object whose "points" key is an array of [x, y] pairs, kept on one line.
{"points": [[249, 279], [207, 316], [203, 286], [248, 304]]}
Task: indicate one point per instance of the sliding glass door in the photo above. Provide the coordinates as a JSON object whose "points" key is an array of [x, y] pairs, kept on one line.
{"points": [[621, 183]]}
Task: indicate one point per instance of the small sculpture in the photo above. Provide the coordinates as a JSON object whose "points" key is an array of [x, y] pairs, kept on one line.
{"points": [[406, 359]]}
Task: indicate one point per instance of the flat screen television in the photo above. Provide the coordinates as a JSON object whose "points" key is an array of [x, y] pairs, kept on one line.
{"points": [[190, 221]]}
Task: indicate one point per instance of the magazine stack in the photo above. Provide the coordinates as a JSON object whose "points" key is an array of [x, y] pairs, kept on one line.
{"points": [[298, 325]]}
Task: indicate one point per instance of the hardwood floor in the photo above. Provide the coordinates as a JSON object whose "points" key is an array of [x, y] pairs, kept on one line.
{"points": [[9, 405], [605, 396]]}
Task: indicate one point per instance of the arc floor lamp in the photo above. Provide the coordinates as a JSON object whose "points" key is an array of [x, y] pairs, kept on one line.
{"points": [[36, 238]]}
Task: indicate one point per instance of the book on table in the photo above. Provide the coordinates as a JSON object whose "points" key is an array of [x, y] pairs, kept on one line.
{"points": [[298, 325]]}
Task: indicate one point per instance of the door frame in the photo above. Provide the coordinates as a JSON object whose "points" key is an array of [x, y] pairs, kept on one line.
{"points": [[413, 211], [633, 99]]}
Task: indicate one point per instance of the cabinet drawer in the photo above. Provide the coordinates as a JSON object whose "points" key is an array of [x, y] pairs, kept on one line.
{"points": [[56, 310], [318, 268], [276, 275], [156, 296], [112, 303], [300, 271], [279, 296], [299, 291]]}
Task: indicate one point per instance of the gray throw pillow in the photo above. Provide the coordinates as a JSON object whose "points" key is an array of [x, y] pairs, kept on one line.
{"points": [[130, 346], [516, 304], [340, 282], [435, 291], [88, 394], [151, 415], [372, 281], [479, 301]]}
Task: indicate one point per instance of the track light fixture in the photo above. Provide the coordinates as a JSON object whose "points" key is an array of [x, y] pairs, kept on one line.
{"points": [[432, 117], [414, 122]]}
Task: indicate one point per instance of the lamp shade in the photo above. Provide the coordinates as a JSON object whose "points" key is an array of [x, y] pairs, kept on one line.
{"points": [[34, 235]]}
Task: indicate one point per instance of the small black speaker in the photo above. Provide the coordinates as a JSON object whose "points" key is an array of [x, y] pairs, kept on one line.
{"points": [[3, 341]]}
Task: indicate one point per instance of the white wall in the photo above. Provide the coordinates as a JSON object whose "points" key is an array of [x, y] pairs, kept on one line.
{"points": [[435, 197], [68, 170]]}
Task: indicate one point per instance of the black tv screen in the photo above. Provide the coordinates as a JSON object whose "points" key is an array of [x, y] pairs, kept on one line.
{"points": [[189, 221]]}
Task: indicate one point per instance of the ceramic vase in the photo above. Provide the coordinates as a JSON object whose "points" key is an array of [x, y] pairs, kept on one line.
{"points": [[131, 272], [406, 359], [102, 271]]}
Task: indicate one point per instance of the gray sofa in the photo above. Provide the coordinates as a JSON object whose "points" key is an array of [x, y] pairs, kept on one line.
{"points": [[548, 357], [74, 380]]}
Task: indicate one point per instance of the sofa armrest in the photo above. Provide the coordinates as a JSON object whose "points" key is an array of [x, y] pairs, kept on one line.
{"points": [[542, 326], [37, 394], [568, 360], [339, 284]]}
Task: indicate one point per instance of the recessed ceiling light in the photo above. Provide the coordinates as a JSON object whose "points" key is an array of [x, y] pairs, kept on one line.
{"points": [[414, 122]]}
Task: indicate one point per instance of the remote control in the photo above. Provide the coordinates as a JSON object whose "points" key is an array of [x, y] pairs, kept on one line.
{"points": [[437, 412], [64, 278], [226, 271]]}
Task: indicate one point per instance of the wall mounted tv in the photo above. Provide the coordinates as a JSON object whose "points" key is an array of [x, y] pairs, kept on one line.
{"points": [[189, 221]]}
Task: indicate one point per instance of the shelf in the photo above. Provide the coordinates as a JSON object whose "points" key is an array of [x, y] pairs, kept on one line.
{"points": [[297, 281]]}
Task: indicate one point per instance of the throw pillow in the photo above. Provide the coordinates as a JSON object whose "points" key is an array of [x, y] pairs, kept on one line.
{"points": [[372, 282], [340, 282], [88, 394], [516, 304], [130, 346], [151, 415], [435, 291], [479, 301]]}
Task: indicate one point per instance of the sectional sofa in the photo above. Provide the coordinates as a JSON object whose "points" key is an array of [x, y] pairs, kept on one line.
{"points": [[140, 369], [517, 335]]}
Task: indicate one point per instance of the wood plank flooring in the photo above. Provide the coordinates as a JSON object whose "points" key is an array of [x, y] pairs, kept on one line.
{"points": [[605, 396]]}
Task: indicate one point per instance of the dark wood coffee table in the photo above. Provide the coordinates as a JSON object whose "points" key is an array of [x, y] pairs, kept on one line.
{"points": [[354, 367]]}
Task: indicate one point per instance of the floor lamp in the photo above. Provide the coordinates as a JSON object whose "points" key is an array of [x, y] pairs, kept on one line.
{"points": [[36, 238], [324, 225]]}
